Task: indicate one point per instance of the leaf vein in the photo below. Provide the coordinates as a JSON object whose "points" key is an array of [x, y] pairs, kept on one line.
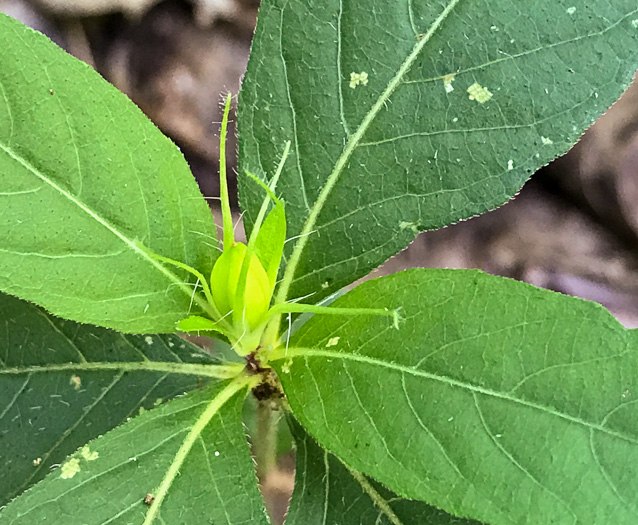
{"points": [[293, 112], [15, 396], [514, 462], [131, 244]]}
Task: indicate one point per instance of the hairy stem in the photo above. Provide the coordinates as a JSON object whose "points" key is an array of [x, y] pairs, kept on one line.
{"points": [[227, 218], [265, 447]]}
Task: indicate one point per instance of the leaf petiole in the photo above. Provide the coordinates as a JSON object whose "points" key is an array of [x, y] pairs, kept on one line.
{"points": [[209, 305]]}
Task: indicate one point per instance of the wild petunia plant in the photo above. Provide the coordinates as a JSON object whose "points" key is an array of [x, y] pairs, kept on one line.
{"points": [[429, 396], [244, 276]]}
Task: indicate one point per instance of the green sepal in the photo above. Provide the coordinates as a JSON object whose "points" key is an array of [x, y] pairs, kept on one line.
{"points": [[197, 323], [269, 245], [269, 236]]}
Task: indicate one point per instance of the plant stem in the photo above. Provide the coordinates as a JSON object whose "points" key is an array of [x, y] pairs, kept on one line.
{"points": [[266, 439]]}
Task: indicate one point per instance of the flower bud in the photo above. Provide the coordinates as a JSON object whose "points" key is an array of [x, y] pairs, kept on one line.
{"points": [[224, 281]]}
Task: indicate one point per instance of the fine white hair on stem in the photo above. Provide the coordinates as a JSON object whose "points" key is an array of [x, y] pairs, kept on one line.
{"points": [[296, 300], [212, 246], [225, 92], [215, 246], [300, 236], [240, 337], [184, 283], [197, 197], [202, 234], [193, 295], [194, 285], [225, 316], [241, 216], [288, 334]]}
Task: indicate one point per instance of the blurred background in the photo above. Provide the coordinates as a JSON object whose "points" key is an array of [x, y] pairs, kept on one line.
{"points": [[573, 228]]}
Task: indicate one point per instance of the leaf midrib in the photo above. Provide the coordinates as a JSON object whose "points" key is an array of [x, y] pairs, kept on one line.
{"points": [[528, 52], [204, 370], [351, 145], [293, 352], [377, 499], [212, 409], [131, 244]]}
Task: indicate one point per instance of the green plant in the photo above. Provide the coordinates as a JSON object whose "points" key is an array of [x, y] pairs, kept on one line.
{"points": [[486, 398]]}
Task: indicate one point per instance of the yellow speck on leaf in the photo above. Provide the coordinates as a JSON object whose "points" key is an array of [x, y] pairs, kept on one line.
{"points": [[479, 93], [447, 82], [333, 341], [285, 368], [546, 141], [37, 461], [70, 468], [88, 454], [76, 382], [358, 79], [412, 226]]}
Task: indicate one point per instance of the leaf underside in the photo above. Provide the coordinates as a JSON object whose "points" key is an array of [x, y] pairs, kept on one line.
{"points": [[63, 384], [85, 178], [412, 149], [327, 492], [215, 482], [494, 399]]}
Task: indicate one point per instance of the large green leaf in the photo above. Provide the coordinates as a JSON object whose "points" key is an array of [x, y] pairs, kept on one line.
{"points": [[412, 149], [190, 455], [85, 178], [494, 400], [327, 492], [63, 384]]}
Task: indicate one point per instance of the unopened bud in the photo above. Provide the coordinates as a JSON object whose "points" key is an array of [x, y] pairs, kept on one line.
{"points": [[224, 281]]}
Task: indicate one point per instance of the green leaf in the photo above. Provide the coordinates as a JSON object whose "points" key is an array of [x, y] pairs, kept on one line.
{"points": [[190, 455], [63, 384], [371, 166], [494, 400], [87, 186], [328, 492]]}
